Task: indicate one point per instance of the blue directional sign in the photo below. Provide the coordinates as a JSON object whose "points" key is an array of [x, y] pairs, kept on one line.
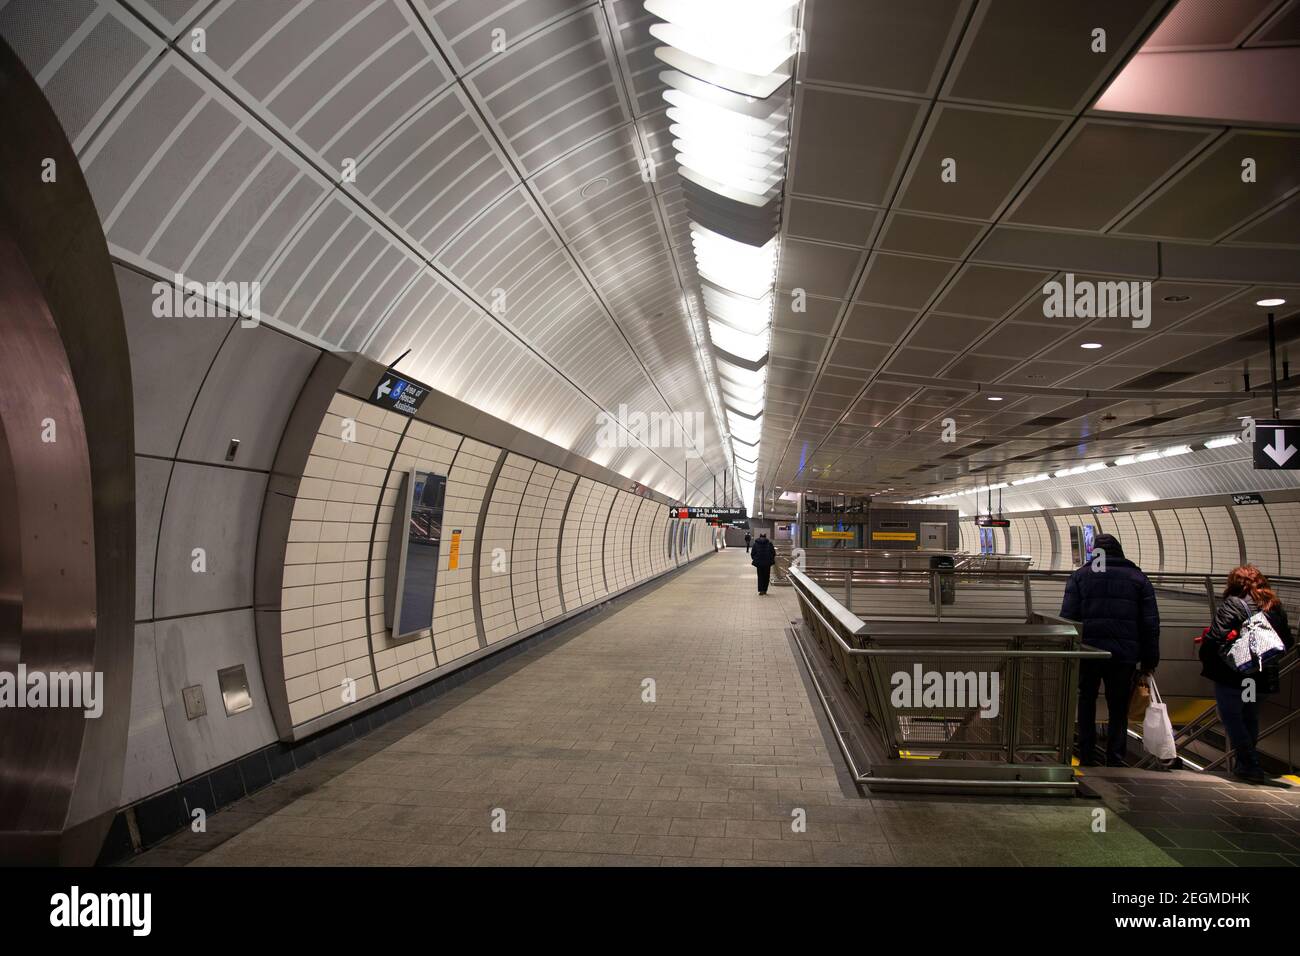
{"points": [[400, 394], [1277, 445]]}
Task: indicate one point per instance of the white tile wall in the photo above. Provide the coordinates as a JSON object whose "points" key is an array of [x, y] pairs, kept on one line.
{"points": [[428, 449], [1040, 543], [658, 537], [454, 631], [323, 607], [1171, 532], [644, 538], [1120, 525], [548, 545], [591, 547], [1224, 547], [1196, 538], [1286, 521], [1146, 536], [1261, 542], [526, 546], [338, 544], [497, 554], [571, 547], [1062, 558], [617, 553]]}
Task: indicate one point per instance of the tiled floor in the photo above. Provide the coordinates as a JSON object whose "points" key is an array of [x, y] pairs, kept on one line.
{"points": [[1205, 820], [559, 742]]}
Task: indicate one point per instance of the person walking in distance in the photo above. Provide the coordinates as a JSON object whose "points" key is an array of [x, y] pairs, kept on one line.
{"points": [[748, 539], [762, 557], [1236, 694], [1116, 607]]}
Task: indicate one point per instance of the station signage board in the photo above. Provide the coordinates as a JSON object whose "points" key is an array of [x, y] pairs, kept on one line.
{"points": [[1104, 509], [1277, 445], [987, 521], [1249, 498], [834, 535], [710, 514], [893, 536], [398, 393]]}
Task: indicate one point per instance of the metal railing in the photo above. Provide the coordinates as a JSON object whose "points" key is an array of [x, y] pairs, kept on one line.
{"points": [[1208, 723], [975, 592], [1017, 732]]}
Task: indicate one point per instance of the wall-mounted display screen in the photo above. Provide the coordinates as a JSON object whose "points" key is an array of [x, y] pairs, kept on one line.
{"points": [[413, 549]]}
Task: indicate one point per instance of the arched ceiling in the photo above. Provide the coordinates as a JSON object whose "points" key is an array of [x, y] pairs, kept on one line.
{"points": [[498, 224]]}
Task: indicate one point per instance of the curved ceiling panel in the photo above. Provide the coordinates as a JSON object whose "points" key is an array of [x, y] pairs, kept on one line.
{"points": [[465, 184]]}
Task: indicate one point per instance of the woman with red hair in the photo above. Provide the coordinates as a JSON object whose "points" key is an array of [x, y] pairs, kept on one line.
{"points": [[1248, 593]]}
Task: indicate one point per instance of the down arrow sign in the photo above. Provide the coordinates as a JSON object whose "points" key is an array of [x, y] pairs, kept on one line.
{"points": [[1281, 450]]}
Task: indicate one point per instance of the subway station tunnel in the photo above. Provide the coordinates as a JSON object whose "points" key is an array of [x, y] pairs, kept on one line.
{"points": [[392, 391]]}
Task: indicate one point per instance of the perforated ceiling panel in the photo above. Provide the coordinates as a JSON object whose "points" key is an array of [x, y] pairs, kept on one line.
{"points": [[947, 164], [461, 179]]}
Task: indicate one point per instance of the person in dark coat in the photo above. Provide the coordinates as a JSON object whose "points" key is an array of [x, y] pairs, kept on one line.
{"points": [[747, 540], [1248, 592], [763, 556], [1116, 605]]}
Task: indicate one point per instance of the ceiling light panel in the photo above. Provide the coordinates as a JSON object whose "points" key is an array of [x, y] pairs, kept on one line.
{"points": [[728, 96]]}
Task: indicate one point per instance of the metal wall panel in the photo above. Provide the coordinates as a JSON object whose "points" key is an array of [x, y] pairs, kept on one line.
{"points": [[190, 652], [151, 478], [216, 510], [243, 397], [150, 764]]}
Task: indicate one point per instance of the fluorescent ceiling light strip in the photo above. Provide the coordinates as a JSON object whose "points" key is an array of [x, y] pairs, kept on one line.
{"points": [[730, 138], [737, 81], [743, 46]]}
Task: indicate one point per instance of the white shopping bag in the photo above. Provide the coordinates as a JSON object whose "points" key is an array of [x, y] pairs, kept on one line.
{"points": [[1157, 731]]}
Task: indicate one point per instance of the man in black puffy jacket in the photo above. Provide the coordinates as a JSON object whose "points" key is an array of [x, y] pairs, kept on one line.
{"points": [[1116, 605], [762, 557]]}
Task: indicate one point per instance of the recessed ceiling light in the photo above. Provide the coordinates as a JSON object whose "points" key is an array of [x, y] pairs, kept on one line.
{"points": [[594, 187], [1269, 303], [1177, 298], [1090, 345], [994, 398]]}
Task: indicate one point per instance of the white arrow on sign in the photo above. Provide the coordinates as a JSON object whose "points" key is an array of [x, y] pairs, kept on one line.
{"points": [[387, 387], [1280, 451]]}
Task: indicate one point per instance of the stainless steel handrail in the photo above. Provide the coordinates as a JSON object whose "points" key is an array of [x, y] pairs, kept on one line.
{"points": [[980, 584], [843, 629]]}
